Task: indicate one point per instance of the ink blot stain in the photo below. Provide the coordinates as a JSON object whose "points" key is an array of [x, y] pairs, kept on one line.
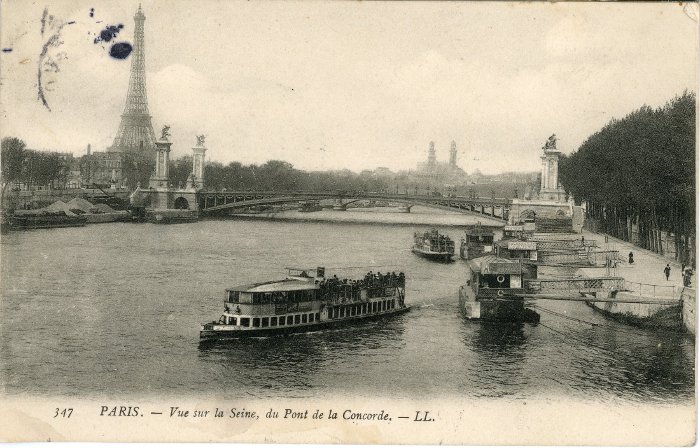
{"points": [[6, 50], [92, 12], [71, 22], [109, 33], [120, 50]]}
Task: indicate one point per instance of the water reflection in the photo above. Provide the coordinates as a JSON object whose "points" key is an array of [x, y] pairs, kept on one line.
{"points": [[497, 365], [297, 363]]}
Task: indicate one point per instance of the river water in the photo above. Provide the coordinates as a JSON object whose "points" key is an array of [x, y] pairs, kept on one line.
{"points": [[114, 310]]}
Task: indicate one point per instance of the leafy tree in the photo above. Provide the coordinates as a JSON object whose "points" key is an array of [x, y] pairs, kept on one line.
{"points": [[14, 151], [639, 171]]}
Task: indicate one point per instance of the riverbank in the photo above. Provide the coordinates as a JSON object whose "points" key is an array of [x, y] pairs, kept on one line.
{"points": [[383, 215], [645, 278]]}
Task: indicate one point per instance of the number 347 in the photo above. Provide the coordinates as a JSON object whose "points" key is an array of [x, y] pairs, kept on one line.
{"points": [[65, 412]]}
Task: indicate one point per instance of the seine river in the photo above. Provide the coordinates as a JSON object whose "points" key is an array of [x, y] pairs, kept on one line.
{"points": [[114, 310]]}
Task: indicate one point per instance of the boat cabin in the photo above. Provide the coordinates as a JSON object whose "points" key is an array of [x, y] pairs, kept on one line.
{"points": [[495, 288], [477, 241], [491, 272], [521, 231], [517, 250]]}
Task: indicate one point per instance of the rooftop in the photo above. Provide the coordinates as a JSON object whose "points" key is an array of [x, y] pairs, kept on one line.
{"points": [[491, 264], [276, 285]]}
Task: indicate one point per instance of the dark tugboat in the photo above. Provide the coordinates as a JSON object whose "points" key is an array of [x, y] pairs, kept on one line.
{"points": [[495, 290], [301, 303], [433, 246], [477, 241]]}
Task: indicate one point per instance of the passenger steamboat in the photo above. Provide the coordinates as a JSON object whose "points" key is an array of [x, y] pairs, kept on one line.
{"points": [[495, 289], [302, 303], [433, 246]]}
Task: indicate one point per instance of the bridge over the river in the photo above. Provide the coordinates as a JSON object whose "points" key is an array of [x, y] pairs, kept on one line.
{"points": [[222, 202]]}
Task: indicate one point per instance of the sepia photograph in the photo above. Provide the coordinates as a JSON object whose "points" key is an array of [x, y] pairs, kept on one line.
{"points": [[460, 223]]}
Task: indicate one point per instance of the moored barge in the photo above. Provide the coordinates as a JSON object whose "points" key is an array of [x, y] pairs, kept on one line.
{"points": [[495, 290], [44, 219], [302, 303]]}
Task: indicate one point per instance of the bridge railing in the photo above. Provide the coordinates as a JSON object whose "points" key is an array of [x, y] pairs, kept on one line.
{"points": [[652, 291], [574, 285], [355, 194]]}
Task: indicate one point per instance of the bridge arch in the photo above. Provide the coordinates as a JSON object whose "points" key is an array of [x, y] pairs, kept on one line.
{"points": [[528, 214], [181, 203]]}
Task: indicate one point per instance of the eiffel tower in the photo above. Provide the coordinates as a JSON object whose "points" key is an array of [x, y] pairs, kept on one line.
{"points": [[135, 134]]}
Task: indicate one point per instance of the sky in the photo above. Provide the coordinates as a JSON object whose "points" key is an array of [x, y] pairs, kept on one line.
{"points": [[353, 85]]}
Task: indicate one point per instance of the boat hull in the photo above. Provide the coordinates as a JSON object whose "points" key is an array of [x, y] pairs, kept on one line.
{"points": [[469, 253], [25, 223], [504, 308], [444, 257], [227, 334]]}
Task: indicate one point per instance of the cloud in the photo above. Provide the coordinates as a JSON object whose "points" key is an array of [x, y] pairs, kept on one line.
{"points": [[356, 85]]}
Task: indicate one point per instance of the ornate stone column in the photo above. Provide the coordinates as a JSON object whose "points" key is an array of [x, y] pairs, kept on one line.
{"points": [[198, 159]]}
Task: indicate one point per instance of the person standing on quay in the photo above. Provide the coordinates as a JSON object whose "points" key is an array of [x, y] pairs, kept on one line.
{"points": [[631, 258], [667, 271]]}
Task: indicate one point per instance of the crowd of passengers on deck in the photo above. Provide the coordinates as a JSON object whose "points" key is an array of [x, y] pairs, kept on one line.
{"points": [[335, 288], [435, 239]]}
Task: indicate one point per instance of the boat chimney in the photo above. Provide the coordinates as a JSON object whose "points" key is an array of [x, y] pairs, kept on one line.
{"points": [[320, 273]]}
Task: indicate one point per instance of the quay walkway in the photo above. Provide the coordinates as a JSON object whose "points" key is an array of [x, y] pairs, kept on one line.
{"points": [[648, 267], [648, 299]]}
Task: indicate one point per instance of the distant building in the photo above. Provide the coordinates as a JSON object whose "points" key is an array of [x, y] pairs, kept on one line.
{"points": [[441, 172], [101, 168], [453, 155], [382, 171]]}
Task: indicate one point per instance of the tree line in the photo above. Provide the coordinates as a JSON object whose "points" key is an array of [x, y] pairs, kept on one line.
{"points": [[20, 164], [282, 176], [38, 168], [640, 170]]}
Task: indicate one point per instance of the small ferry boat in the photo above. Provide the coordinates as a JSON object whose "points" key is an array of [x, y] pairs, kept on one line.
{"points": [[495, 289], [310, 206], [433, 246], [477, 241], [302, 303]]}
